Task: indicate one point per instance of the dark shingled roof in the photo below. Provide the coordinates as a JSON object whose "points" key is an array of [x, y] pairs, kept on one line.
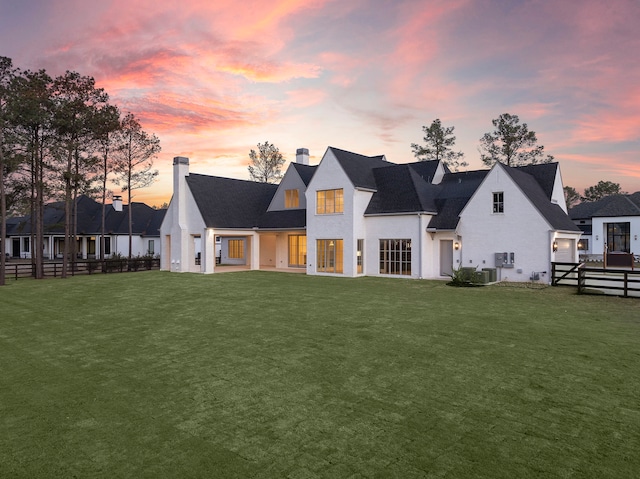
{"points": [[614, 205], [529, 185], [455, 191], [305, 171], [427, 169], [400, 189], [230, 203], [146, 220], [545, 175], [359, 167], [285, 219]]}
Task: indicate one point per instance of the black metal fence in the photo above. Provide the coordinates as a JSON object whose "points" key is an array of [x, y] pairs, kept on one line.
{"points": [[54, 269]]}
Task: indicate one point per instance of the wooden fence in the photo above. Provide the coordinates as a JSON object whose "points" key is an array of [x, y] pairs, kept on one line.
{"points": [[591, 280], [54, 269]]}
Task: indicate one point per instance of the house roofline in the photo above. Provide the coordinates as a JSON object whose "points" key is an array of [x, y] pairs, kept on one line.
{"points": [[403, 213]]}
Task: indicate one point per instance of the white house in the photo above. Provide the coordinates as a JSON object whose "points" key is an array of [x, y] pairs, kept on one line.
{"points": [[611, 224], [145, 238], [354, 215]]}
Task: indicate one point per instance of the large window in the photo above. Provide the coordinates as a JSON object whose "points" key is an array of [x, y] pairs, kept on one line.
{"points": [[329, 201], [359, 256], [498, 202], [291, 199], [236, 249], [152, 247], [329, 255], [395, 256], [297, 250], [107, 245], [618, 237], [91, 245]]}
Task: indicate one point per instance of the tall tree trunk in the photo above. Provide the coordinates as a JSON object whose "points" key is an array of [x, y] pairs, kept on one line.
{"points": [[104, 201], [130, 216], [3, 214], [74, 208], [67, 214], [39, 206]]}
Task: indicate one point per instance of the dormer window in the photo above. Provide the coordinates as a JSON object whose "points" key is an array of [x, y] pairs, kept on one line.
{"points": [[498, 202], [329, 201], [291, 199]]}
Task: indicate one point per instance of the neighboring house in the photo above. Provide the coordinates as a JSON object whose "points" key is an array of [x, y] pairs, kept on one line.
{"points": [[145, 239], [355, 215], [611, 224]]}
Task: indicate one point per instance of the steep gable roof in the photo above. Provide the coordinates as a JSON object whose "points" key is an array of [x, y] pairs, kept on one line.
{"points": [[305, 171], [456, 189], [533, 190], [146, 220], [400, 189], [544, 174], [230, 203], [427, 169], [614, 205], [359, 167]]}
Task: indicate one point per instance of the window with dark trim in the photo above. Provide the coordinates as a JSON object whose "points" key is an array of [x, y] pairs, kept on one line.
{"points": [[359, 256], [395, 256], [330, 255], [498, 202], [297, 251], [618, 237], [329, 201]]}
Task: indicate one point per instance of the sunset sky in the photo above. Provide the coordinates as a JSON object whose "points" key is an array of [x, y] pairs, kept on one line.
{"points": [[213, 78]]}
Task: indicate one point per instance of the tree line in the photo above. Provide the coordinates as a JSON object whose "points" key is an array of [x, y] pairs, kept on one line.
{"points": [[510, 143], [61, 137]]}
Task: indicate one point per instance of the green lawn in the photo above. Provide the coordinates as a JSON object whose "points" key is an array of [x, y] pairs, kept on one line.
{"points": [[260, 375]]}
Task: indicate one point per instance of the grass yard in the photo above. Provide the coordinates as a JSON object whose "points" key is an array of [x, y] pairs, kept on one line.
{"points": [[274, 375]]}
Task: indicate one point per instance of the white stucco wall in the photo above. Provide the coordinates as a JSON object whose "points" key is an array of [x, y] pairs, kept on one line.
{"points": [[290, 181], [599, 236], [182, 223], [557, 196], [393, 227], [521, 230], [328, 176]]}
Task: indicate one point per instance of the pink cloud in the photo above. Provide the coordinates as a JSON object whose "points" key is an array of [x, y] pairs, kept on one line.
{"points": [[305, 98]]}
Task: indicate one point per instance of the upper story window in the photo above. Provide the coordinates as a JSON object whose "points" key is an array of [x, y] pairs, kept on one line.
{"points": [[291, 199], [329, 201], [498, 202]]}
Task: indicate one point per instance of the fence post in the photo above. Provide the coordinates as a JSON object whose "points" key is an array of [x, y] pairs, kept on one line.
{"points": [[553, 274], [626, 278], [580, 280]]}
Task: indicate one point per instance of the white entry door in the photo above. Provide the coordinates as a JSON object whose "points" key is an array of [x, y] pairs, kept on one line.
{"points": [[566, 251], [446, 257]]}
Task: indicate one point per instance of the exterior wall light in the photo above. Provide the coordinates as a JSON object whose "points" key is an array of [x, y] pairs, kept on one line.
{"points": [[456, 246], [555, 246]]}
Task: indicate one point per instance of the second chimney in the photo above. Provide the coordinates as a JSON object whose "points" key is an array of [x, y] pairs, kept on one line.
{"points": [[302, 156], [117, 203]]}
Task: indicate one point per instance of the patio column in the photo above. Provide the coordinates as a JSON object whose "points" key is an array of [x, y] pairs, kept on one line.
{"points": [[254, 250], [208, 260]]}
